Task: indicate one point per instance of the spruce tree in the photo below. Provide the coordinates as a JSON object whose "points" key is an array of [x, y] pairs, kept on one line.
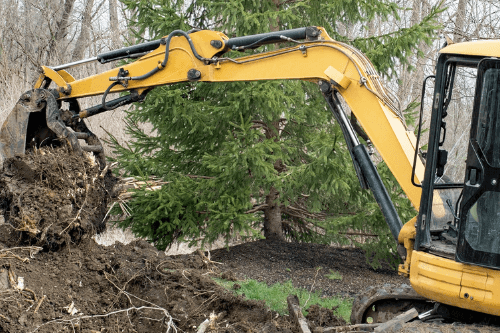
{"points": [[241, 155]]}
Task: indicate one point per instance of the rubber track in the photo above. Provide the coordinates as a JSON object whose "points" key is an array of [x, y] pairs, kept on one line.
{"points": [[374, 294], [405, 292]]}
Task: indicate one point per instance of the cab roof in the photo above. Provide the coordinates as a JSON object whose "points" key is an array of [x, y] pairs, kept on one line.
{"points": [[487, 48]]}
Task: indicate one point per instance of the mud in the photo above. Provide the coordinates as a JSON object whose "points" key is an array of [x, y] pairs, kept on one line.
{"points": [[52, 197]]}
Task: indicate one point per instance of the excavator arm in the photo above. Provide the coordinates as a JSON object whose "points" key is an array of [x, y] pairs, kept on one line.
{"points": [[337, 68], [199, 56]]}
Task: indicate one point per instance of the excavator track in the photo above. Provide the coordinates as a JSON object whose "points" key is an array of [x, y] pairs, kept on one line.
{"points": [[380, 304]]}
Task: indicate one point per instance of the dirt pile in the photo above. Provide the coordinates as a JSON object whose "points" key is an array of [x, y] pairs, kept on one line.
{"points": [[122, 288], [135, 288], [306, 265], [55, 278], [51, 197]]}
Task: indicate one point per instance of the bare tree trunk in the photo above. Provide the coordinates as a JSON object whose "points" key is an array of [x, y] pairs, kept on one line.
{"points": [[12, 18], [61, 30], [410, 87], [418, 13], [113, 23], [458, 35], [27, 16], [83, 40], [372, 30]]}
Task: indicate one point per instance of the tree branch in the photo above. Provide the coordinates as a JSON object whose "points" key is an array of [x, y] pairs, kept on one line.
{"points": [[201, 177], [257, 208], [302, 213]]}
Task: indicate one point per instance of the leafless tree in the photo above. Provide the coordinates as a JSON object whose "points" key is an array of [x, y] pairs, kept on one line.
{"points": [[114, 26], [53, 32], [82, 43]]}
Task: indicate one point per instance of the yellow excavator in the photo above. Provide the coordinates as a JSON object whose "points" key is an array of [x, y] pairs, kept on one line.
{"points": [[450, 251]]}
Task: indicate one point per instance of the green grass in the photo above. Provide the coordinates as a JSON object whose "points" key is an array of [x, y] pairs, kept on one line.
{"points": [[334, 275], [275, 296]]}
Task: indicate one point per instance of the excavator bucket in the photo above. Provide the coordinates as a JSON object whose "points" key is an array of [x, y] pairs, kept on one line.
{"points": [[36, 121], [14, 129]]}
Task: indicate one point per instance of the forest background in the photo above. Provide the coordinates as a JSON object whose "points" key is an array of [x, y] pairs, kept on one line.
{"points": [[52, 32]]}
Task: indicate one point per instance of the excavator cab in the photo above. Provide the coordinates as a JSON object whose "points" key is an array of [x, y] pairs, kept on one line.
{"points": [[463, 164], [455, 257], [445, 159], [452, 248]]}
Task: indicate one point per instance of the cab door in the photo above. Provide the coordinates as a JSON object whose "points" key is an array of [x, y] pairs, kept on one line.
{"points": [[479, 229]]}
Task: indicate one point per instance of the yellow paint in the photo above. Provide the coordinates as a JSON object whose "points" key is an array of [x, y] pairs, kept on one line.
{"points": [[447, 281], [339, 79], [437, 278], [66, 76], [408, 231], [407, 239], [487, 48], [39, 81], [384, 128], [56, 77]]}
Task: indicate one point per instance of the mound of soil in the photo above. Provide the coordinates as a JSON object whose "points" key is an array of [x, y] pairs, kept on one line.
{"points": [[135, 288], [122, 288], [55, 278], [51, 196]]}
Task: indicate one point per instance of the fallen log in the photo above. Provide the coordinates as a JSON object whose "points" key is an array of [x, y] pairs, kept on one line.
{"points": [[296, 314], [396, 323], [347, 328]]}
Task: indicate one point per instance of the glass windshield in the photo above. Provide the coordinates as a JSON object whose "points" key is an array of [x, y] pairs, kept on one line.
{"points": [[488, 122], [483, 224], [460, 96], [483, 219], [454, 138]]}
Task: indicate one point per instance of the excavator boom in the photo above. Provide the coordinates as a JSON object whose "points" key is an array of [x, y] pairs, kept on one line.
{"points": [[199, 56]]}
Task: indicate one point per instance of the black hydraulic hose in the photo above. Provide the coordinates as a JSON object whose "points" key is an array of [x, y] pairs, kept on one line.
{"points": [[244, 42], [257, 43], [165, 60], [111, 105], [104, 106]]}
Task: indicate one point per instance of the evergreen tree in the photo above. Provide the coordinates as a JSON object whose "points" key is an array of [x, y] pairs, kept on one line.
{"points": [[239, 155]]}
